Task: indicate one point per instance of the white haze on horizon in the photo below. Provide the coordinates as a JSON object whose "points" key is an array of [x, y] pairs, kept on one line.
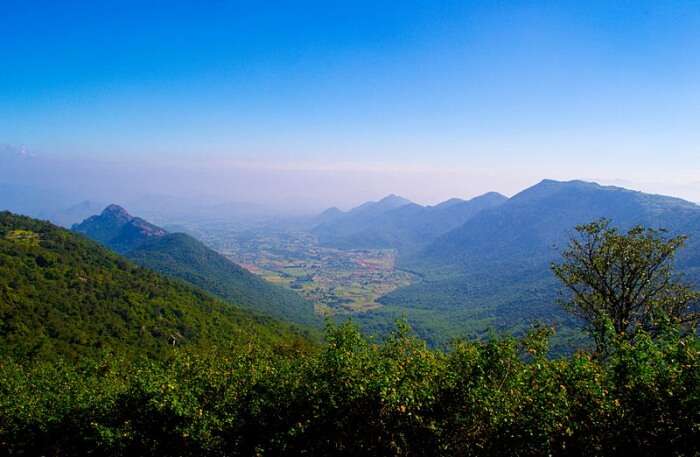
{"points": [[288, 188]]}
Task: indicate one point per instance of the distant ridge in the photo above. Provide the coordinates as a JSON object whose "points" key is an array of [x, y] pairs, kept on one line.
{"points": [[393, 201], [543, 215], [75, 213], [397, 223], [450, 202], [387, 203], [182, 256]]}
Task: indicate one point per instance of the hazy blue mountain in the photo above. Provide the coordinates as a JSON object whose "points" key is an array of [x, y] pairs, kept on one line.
{"points": [[327, 216], [181, 256], [338, 229], [533, 225], [385, 204], [493, 270], [119, 230], [450, 202], [75, 213], [401, 224]]}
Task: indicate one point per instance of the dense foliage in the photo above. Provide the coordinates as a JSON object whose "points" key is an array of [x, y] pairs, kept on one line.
{"points": [[625, 280], [354, 397], [61, 294]]}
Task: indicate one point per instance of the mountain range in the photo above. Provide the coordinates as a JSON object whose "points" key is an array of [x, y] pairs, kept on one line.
{"points": [[484, 263], [479, 263], [536, 222], [181, 256], [397, 223]]}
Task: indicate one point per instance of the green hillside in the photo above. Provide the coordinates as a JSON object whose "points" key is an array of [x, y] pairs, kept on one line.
{"points": [[183, 257], [62, 294]]}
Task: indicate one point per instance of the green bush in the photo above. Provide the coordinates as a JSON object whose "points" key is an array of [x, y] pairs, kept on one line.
{"points": [[357, 397]]}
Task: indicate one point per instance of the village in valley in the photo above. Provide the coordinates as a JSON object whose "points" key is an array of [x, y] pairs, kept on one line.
{"points": [[336, 281]]}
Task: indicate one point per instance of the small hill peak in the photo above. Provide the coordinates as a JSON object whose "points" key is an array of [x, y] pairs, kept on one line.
{"points": [[495, 195], [118, 229], [392, 201], [548, 187], [116, 210], [331, 211], [492, 197], [393, 198]]}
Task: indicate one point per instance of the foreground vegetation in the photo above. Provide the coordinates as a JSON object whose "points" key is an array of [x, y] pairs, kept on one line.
{"points": [[354, 397], [101, 357]]}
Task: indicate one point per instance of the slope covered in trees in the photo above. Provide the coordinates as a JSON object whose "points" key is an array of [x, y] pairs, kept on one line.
{"points": [[181, 256], [62, 294]]}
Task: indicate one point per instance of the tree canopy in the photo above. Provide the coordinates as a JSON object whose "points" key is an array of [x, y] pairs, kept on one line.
{"points": [[625, 280]]}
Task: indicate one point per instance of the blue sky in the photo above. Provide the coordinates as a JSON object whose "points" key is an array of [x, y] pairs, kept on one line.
{"points": [[500, 93]]}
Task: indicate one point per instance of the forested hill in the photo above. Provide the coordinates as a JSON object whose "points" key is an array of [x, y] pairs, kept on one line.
{"points": [[62, 294], [181, 256]]}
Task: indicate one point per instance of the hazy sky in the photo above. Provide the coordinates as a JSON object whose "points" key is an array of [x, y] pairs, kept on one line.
{"points": [[357, 99]]}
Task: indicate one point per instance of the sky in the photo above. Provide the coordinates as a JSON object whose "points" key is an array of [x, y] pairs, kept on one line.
{"points": [[339, 102]]}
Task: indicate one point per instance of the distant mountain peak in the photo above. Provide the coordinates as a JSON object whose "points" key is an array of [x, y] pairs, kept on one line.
{"points": [[549, 187], [332, 210], [493, 195], [118, 229], [115, 210], [394, 200], [489, 196], [578, 183], [391, 201]]}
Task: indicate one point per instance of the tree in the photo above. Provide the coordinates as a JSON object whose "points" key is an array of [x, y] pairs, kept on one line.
{"points": [[625, 281]]}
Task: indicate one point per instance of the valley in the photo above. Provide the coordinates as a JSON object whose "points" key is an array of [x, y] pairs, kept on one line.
{"points": [[337, 282], [462, 268]]}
